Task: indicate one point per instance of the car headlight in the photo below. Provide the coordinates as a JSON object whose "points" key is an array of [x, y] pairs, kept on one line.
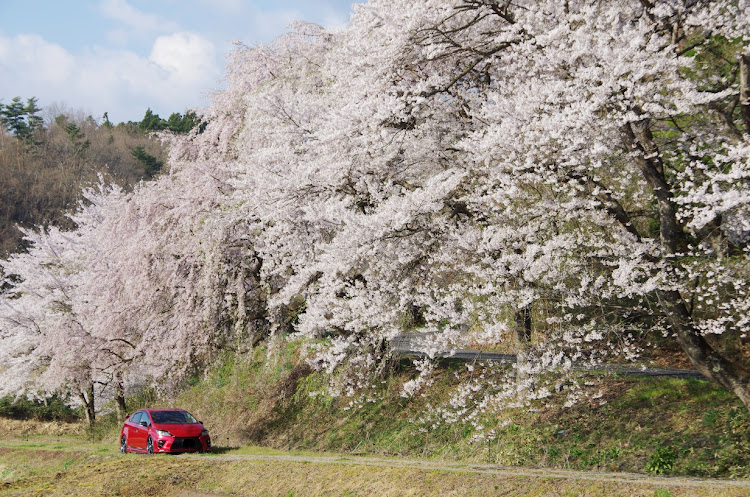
{"points": [[163, 433], [204, 433]]}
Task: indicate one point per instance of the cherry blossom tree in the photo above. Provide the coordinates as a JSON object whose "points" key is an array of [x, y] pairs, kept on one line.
{"points": [[142, 293], [470, 162], [565, 179], [47, 346], [162, 290]]}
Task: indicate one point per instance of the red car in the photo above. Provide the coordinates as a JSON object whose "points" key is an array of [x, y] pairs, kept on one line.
{"points": [[163, 430]]}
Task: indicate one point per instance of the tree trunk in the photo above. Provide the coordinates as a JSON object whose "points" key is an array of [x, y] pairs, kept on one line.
{"points": [[88, 404], [731, 375], [522, 329], [745, 91], [120, 398], [522, 326], [650, 164], [734, 377]]}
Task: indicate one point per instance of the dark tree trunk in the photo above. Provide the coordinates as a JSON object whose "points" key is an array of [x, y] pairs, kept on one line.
{"points": [[522, 329], [745, 91], [731, 375], [87, 399], [120, 398], [522, 326], [649, 162]]}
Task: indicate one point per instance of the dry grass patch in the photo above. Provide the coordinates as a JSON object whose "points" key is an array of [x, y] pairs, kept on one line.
{"points": [[192, 477], [15, 427]]}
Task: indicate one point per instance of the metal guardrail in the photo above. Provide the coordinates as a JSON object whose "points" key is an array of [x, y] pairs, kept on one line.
{"points": [[416, 345]]}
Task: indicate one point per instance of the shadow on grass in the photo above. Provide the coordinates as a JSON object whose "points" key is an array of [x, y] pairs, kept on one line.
{"points": [[218, 449]]}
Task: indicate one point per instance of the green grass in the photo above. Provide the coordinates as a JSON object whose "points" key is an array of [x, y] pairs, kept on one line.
{"points": [[658, 425], [662, 425], [29, 471]]}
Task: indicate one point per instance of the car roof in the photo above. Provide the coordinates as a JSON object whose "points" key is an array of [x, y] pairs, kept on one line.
{"points": [[164, 410]]}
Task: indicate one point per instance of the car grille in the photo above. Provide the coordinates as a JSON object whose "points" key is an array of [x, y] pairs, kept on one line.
{"points": [[186, 443]]}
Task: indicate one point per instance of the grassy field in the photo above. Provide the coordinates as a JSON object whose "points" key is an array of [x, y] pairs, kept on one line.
{"points": [[72, 465]]}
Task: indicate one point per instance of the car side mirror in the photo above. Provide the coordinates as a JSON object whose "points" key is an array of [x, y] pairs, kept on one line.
{"points": [[144, 423]]}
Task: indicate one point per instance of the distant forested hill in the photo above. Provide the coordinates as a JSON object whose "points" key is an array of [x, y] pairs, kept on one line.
{"points": [[48, 155]]}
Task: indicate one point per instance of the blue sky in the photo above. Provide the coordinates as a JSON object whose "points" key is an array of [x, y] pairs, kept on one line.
{"points": [[124, 56]]}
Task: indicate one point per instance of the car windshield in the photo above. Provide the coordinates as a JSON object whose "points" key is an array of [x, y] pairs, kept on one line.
{"points": [[172, 417]]}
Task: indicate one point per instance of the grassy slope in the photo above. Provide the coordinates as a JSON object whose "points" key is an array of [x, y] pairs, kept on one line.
{"points": [[674, 426]]}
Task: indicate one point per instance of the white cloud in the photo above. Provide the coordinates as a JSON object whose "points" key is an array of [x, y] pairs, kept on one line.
{"points": [[149, 60], [135, 23], [31, 54], [121, 10], [187, 56], [176, 76], [261, 21]]}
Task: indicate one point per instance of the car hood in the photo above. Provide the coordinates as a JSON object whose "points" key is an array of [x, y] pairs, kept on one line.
{"points": [[182, 430]]}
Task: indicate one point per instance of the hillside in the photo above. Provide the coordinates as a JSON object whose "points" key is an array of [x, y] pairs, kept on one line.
{"points": [[644, 425], [637, 424], [45, 163]]}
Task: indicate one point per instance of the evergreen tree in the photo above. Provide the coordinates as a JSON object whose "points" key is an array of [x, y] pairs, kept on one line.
{"points": [[152, 122], [177, 123], [33, 120], [151, 164], [21, 120], [13, 117]]}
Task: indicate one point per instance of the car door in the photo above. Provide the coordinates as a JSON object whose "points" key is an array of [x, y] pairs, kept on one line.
{"points": [[136, 432], [145, 427]]}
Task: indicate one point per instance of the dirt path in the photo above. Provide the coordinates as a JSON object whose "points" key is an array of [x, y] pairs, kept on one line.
{"points": [[492, 469], [61, 467]]}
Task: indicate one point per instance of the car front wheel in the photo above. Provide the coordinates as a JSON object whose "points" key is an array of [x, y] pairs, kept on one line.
{"points": [[123, 444], [150, 446]]}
